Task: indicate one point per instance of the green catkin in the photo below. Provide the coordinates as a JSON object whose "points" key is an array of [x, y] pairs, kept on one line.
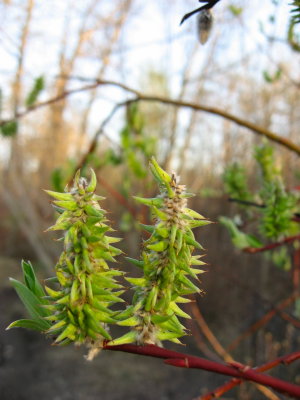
{"points": [[87, 287], [166, 262]]}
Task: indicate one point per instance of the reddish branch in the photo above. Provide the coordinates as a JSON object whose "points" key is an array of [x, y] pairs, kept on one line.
{"points": [[235, 370], [271, 246], [265, 319], [285, 360], [296, 272], [220, 349], [118, 196], [208, 333]]}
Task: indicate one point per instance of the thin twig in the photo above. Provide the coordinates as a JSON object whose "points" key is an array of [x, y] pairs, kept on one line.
{"points": [[235, 370], [271, 246], [252, 204], [219, 348], [285, 360], [264, 320], [164, 100]]}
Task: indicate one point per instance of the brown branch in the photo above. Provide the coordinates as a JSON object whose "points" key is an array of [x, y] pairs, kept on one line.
{"points": [[164, 100], [202, 346], [285, 360], [271, 246], [235, 370], [49, 102], [264, 320], [118, 196], [216, 111], [219, 348]]}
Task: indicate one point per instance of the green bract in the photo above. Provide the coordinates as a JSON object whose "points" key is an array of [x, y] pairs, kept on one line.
{"points": [[166, 262]]}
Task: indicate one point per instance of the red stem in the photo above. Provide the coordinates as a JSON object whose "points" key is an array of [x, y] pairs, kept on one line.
{"points": [[271, 246], [287, 359], [296, 272], [186, 361]]}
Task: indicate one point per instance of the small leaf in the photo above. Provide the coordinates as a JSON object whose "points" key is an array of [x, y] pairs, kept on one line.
{"points": [[9, 128], [36, 325], [60, 196], [138, 263], [159, 174], [236, 11], [168, 335], [157, 202], [68, 205], [30, 301], [129, 337], [177, 310], [93, 182], [136, 281], [31, 281], [38, 86], [159, 246], [132, 321]]}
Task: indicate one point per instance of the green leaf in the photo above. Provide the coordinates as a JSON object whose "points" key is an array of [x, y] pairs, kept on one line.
{"points": [[38, 86], [138, 263], [132, 321], [158, 246], [136, 281], [193, 213], [129, 337], [93, 182], [9, 129], [60, 196], [177, 310], [159, 174], [57, 179], [31, 302], [236, 11], [168, 335], [31, 281], [157, 202], [36, 325]]}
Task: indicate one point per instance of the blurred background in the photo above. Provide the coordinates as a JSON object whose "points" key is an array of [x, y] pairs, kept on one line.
{"points": [[66, 68]]}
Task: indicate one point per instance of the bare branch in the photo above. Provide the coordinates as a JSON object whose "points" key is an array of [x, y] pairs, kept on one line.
{"points": [[235, 370], [164, 100]]}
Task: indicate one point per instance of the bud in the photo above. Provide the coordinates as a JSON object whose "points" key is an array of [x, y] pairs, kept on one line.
{"points": [[204, 25]]}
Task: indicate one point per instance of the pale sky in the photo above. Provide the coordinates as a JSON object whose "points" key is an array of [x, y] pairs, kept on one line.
{"points": [[152, 39]]}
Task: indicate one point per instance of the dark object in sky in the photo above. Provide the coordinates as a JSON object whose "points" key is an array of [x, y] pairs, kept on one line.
{"points": [[204, 25], [209, 5]]}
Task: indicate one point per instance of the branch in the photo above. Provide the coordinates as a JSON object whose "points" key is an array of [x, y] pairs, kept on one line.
{"points": [[164, 100], [210, 4], [219, 348], [296, 216], [216, 111], [271, 246], [278, 309], [235, 370], [285, 360], [48, 102]]}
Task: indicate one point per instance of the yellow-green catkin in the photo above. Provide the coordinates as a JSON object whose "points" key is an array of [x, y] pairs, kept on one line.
{"points": [[166, 262], [87, 287]]}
